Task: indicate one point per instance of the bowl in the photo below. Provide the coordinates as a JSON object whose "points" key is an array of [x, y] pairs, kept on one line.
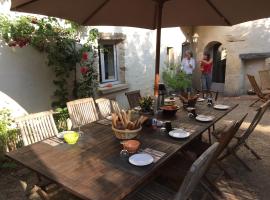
{"points": [[169, 110], [126, 134], [131, 146], [188, 102], [71, 137]]}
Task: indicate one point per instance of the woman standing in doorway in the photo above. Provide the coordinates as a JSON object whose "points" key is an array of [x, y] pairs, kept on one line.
{"points": [[206, 68], [188, 65]]}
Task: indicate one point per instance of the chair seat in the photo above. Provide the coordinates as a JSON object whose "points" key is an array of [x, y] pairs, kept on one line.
{"points": [[267, 91], [218, 130], [153, 191], [171, 175]]}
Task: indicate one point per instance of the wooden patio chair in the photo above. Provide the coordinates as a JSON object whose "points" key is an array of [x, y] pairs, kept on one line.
{"points": [[104, 107], [82, 111], [156, 191], [261, 96], [226, 135], [242, 137], [36, 127], [265, 79], [133, 98], [116, 107]]}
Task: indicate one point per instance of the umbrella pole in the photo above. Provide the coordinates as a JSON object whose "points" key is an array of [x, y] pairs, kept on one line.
{"points": [[158, 24]]}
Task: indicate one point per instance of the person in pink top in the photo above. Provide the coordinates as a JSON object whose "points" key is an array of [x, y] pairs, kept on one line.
{"points": [[206, 65]]}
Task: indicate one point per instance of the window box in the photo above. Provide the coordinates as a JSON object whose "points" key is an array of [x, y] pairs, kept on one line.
{"points": [[113, 89]]}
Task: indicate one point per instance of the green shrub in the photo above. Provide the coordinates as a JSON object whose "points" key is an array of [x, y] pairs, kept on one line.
{"points": [[174, 78], [8, 135]]}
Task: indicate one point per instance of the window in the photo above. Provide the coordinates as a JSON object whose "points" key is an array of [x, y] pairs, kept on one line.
{"points": [[108, 63], [170, 55]]}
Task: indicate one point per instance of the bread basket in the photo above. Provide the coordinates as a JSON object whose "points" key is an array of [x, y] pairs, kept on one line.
{"points": [[126, 134]]}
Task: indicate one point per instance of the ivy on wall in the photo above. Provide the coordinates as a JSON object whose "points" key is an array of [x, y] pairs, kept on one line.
{"points": [[60, 40]]}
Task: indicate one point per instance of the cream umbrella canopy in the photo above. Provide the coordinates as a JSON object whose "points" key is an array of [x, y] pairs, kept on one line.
{"points": [[150, 14]]}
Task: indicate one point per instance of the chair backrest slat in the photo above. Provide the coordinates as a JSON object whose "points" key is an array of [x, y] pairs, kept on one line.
{"points": [[257, 118], [195, 173], [104, 106], [82, 111], [133, 98], [36, 127], [227, 135], [265, 79], [255, 86], [116, 107]]}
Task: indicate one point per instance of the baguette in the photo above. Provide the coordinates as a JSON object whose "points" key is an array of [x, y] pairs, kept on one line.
{"points": [[125, 119], [114, 119], [121, 119]]}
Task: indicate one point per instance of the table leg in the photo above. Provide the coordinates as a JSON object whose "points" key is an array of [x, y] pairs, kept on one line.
{"points": [[209, 135]]}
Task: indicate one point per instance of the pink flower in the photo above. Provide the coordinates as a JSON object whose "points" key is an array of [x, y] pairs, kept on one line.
{"points": [[85, 56], [84, 70]]}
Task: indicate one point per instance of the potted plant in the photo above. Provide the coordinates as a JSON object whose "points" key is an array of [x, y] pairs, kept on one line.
{"points": [[175, 79], [146, 104]]}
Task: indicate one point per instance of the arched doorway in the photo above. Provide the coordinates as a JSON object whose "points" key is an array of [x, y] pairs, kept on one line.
{"points": [[219, 54]]}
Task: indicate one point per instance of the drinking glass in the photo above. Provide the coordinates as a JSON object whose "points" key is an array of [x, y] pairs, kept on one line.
{"points": [[79, 130]]}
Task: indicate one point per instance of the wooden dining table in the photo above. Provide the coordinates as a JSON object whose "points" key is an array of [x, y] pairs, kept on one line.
{"points": [[93, 169]]}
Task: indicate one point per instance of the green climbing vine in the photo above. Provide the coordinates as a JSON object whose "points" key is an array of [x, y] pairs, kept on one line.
{"points": [[60, 40]]}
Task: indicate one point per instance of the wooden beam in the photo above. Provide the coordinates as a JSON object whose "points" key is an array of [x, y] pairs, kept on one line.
{"points": [[24, 4], [218, 12], [95, 12]]}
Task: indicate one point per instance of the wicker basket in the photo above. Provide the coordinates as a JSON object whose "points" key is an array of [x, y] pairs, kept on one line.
{"points": [[126, 134]]}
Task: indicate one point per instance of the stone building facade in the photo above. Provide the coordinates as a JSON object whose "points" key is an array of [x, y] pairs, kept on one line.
{"points": [[241, 49]]}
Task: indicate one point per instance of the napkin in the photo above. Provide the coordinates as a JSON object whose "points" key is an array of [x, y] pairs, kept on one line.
{"points": [[105, 122], [157, 155]]}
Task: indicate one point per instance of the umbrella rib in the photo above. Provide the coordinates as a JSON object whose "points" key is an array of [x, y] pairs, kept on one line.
{"points": [[218, 12], [24, 4], [95, 12]]}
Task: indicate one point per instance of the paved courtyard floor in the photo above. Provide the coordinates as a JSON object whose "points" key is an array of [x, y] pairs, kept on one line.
{"points": [[245, 185]]}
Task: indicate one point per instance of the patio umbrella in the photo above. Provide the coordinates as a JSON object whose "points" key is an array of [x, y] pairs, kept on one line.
{"points": [[150, 14]]}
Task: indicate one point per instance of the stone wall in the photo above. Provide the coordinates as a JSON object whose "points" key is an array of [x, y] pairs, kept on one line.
{"points": [[139, 57], [249, 37]]}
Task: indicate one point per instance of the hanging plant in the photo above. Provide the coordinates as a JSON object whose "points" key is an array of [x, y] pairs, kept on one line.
{"points": [[61, 44]]}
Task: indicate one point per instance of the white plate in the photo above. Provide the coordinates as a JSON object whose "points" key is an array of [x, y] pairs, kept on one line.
{"points": [[141, 159], [204, 118], [169, 100], [200, 99], [61, 134], [179, 133], [221, 107], [138, 108], [109, 117]]}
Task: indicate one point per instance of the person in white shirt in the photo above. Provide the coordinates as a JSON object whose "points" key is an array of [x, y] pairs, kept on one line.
{"points": [[188, 65]]}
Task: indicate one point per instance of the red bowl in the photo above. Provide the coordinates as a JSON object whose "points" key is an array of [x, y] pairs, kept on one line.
{"points": [[169, 110], [131, 146]]}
